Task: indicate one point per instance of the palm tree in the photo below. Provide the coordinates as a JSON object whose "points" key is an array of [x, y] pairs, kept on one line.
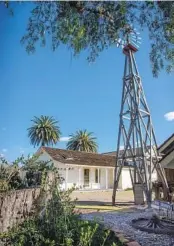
{"points": [[82, 141], [44, 131]]}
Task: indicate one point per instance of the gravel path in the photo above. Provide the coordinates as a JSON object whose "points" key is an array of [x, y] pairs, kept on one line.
{"points": [[121, 221]]}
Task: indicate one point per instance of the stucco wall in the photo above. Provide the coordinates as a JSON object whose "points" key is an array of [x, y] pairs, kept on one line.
{"points": [[45, 157], [120, 182], [110, 178], [103, 178], [126, 179], [154, 176]]}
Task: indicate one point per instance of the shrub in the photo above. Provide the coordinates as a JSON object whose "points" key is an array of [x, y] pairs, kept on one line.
{"points": [[55, 222], [80, 233]]}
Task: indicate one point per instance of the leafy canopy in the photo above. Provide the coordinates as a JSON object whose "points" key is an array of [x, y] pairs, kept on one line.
{"points": [[82, 141], [44, 131], [95, 26], [12, 174]]}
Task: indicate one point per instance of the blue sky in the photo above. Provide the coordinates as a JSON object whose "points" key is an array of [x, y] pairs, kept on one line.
{"points": [[79, 95]]}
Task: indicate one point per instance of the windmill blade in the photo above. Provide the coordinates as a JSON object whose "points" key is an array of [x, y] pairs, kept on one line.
{"points": [[134, 43], [128, 35], [119, 40], [137, 37], [134, 38]]}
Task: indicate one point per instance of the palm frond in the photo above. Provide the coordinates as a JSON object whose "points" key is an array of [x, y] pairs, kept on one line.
{"points": [[44, 131], [82, 140]]}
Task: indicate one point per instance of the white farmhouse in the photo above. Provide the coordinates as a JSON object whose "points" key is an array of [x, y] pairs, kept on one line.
{"points": [[85, 170]]}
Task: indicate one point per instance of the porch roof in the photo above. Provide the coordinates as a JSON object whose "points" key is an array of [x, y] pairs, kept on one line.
{"points": [[137, 151], [79, 157], [166, 142]]}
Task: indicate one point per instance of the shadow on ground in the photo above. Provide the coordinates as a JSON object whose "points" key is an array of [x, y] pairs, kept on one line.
{"points": [[101, 203]]}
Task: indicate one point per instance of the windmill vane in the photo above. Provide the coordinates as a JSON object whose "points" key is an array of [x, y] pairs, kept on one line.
{"points": [[129, 35]]}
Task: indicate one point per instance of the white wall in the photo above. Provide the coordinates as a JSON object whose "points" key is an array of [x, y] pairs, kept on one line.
{"points": [[120, 182], [102, 178], [61, 167], [45, 157], [73, 177], [110, 178], [126, 179], [154, 176]]}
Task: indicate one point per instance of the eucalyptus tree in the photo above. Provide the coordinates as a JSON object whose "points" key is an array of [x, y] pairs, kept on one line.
{"points": [[97, 25]]}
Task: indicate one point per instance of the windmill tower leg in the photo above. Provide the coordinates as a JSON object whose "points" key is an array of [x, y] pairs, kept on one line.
{"points": [[136, 132]]}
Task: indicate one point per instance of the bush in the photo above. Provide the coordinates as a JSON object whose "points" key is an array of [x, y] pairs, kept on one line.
{"points": [[58, 225], [80, 233], [10, 173], [54, 221]]}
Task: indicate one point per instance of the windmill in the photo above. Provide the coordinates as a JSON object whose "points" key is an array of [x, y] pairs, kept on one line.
{"points": [[136, 131]]}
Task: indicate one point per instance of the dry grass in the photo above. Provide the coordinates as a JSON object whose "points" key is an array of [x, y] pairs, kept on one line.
{"points": [[102, 197]]}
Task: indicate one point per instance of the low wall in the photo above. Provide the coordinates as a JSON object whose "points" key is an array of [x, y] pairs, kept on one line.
{"points": [[15, 206]]}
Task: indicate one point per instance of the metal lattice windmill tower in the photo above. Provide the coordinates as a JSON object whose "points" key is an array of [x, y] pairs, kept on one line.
{"points": [[136, 132]]}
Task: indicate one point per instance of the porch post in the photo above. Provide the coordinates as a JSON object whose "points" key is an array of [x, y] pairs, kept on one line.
{"points": [[66, 178], [106, 178], [98, 178], [80, 179]]}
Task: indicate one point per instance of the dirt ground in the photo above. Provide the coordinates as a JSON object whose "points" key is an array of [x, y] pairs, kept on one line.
{"points": [[103, 197]]}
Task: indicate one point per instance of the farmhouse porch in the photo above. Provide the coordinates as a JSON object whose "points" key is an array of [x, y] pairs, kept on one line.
{"points": [[86, 177]]}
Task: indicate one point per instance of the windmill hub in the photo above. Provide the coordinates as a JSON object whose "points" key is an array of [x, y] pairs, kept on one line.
{"points": [[129, 47]]}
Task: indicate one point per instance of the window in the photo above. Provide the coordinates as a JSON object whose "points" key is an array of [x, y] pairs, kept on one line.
{"points": [[86, 177], [97, 176]]}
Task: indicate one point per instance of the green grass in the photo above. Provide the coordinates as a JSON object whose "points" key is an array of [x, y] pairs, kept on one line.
{"points": [[100, 207]]}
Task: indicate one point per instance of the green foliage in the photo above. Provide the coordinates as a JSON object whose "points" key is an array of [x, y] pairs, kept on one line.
{"points": [[44, 131], [35, 170], [56, 224], [95, 26], [82, 141], [9, 175]]}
